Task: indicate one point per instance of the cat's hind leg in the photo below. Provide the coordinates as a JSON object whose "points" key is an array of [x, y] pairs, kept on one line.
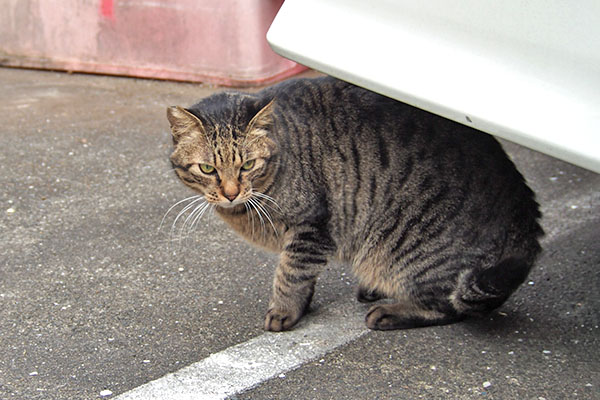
{"points": [[405, 315], [474, 293], [365, 295]]}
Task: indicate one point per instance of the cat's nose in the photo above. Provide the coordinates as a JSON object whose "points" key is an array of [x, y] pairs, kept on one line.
{"points": [[231, 197], [231, 191]]}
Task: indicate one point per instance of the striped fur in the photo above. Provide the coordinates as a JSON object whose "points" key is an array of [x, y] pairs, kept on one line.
{"points": [[428, 212]]}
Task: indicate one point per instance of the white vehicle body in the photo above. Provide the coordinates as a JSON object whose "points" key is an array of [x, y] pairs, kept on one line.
{"points": [[524, 70]]}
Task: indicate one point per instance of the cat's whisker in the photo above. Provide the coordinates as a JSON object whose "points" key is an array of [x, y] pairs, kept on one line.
{"points": [[270, 208], [182, 212], [191, 215], [175, 205], [262, 220], [265, 211], [253, 203], [169, 171], [268, 216], [198, 210], [260, 209], [250, 215], [269, 199], [199, 215]]}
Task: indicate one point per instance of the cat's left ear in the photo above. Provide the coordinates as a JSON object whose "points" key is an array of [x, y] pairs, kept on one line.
{"points": [[262, 121]]}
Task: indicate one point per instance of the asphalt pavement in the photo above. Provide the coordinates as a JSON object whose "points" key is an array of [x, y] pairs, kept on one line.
{"points": [[96, 300]]}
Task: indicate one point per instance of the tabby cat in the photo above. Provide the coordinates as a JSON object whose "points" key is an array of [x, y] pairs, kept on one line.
{"points": [[428, 212]]}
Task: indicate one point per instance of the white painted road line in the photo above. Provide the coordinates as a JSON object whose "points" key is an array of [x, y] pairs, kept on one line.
{"points": [[246, 365]]}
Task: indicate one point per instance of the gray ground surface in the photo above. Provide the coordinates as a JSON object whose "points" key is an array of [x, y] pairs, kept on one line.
{"points": [[92, 297]]}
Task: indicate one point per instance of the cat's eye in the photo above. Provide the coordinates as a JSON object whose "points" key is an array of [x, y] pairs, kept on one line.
{"points": [[248, 165], [207, 168]]}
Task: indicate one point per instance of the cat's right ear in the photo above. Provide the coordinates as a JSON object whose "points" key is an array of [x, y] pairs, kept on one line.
{"points": [[183, 122]]}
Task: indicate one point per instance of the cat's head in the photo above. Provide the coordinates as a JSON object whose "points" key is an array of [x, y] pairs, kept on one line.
{"points": [[222, 147]]}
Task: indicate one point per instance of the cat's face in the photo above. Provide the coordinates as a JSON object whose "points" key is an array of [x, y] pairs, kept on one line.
{"points": [[224, 162]]}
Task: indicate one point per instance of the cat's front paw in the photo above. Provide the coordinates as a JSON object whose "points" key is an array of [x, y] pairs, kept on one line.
{"points": [[278, 320]]}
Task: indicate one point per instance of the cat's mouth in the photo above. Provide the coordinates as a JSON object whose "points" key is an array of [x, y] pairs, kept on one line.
{"points": [[230, 204], [221, 200]]}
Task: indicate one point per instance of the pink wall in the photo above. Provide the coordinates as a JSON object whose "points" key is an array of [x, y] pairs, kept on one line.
{"points": [[217, 41]]}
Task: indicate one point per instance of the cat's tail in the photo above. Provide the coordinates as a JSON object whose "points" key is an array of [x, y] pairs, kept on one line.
{"points": [[481, 291]]}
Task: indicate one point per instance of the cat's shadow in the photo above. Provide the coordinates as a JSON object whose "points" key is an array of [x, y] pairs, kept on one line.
{"points": [[505, 325], [497, 323]]}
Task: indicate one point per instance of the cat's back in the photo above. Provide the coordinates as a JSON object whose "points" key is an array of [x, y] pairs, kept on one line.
{"points": [[313, 96], [386, 164], [347, 126], [333, 109]]}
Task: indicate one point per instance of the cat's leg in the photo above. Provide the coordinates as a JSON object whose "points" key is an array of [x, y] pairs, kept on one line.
{"points": [[474, 292], [365, 295], [405, 315], [304, 255], [290, 299], [418, 304]]}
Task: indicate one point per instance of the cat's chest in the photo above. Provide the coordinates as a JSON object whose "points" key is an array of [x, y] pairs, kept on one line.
{"points": [[256, 227]]}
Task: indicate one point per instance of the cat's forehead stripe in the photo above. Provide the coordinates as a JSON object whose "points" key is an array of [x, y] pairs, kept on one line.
{"points": [[226, 152]]}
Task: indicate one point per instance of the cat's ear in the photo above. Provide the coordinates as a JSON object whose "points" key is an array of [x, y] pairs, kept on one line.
{"points": [[262, 121], [183, 122]]}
